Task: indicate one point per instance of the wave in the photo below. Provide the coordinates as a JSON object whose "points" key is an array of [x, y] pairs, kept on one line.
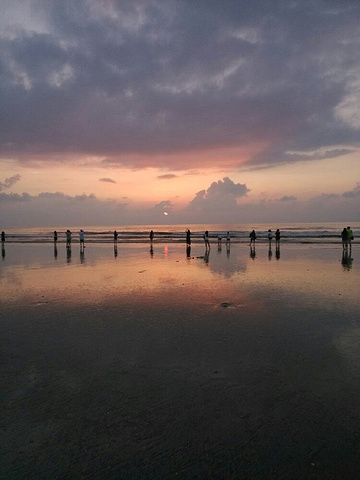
{"points": [[296, 233]]}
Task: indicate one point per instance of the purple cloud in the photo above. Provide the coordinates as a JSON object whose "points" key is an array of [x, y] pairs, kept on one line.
{"points": [[167, 176], [9, 182], [107, 180]]}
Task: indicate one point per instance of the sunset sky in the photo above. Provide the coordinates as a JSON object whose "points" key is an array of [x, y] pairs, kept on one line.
{"points": [[116, 112]]}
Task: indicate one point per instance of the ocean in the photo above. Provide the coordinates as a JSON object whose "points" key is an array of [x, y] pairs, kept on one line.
{"points": [[290, 233]]}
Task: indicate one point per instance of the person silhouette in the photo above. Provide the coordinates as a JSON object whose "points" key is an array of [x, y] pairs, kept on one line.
{"points": [[344, 238], [350, 236], [82, 240], [252, 237], [68, 238], [277, 237], [206, 240]]}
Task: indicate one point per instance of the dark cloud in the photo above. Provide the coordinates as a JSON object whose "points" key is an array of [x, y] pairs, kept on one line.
{"points": [[60, 209], [352, 193], [167, 176], [287, 198], [9, 182], [124, 78], [107, 180], [212, 205], [14, 197]]}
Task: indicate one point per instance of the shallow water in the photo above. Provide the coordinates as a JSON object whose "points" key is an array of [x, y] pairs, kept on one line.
{"points": [[321, 233], [39, 271]]}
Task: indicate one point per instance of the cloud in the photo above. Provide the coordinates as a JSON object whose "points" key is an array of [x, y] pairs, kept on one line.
{"points": [[226, 187], [59, 209], [167, 176], [287, 198], [217, 204], [219, 199], [9, 182], [14, 197], [107, 180], [164, 206], [353, 193], [134, 79]]}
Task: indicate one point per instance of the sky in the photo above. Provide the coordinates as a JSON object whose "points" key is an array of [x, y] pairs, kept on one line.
{"points": [[179, 111]]}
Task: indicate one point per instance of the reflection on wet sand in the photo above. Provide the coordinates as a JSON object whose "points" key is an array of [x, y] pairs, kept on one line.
{"points": [[304, 269], [346, 259]]}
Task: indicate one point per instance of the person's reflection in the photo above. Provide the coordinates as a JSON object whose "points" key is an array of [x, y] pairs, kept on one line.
{"points": [[228, 248], [55, 250], [3, 250], [277, 252], [207, 255], [82, 256], [270, 253], [115, 250], [346, 259], [68, 254], [188, 251], [252, 251], [151, 250]]}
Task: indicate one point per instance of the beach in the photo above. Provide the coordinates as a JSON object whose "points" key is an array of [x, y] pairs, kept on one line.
{"points": [[157, 363]]}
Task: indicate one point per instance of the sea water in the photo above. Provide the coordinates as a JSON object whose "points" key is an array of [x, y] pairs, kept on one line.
{"points": [[239, 233]]}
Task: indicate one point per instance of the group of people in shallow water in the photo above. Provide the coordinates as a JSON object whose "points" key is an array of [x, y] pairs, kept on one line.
{"points": [[347, 237], [68, 235]]}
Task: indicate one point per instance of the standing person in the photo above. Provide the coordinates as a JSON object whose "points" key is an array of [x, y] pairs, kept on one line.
{"points": [[68, 238], [188, 237], [350, 236], [277, 237], [252, 237], [55, 236], [3, 244], [151, 236], [227, 237], [115, 237], [269, 235], [82, 239], [344, 238], [206, 239]]}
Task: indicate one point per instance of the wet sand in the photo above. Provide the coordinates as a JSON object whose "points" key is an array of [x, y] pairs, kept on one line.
{"points": [[158, 365]]}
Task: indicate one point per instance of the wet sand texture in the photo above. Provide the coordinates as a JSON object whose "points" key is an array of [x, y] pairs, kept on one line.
{"points": [[140, 367]]}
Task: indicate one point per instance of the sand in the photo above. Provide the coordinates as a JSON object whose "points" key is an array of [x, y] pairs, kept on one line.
{"points": [[160, 366]]}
